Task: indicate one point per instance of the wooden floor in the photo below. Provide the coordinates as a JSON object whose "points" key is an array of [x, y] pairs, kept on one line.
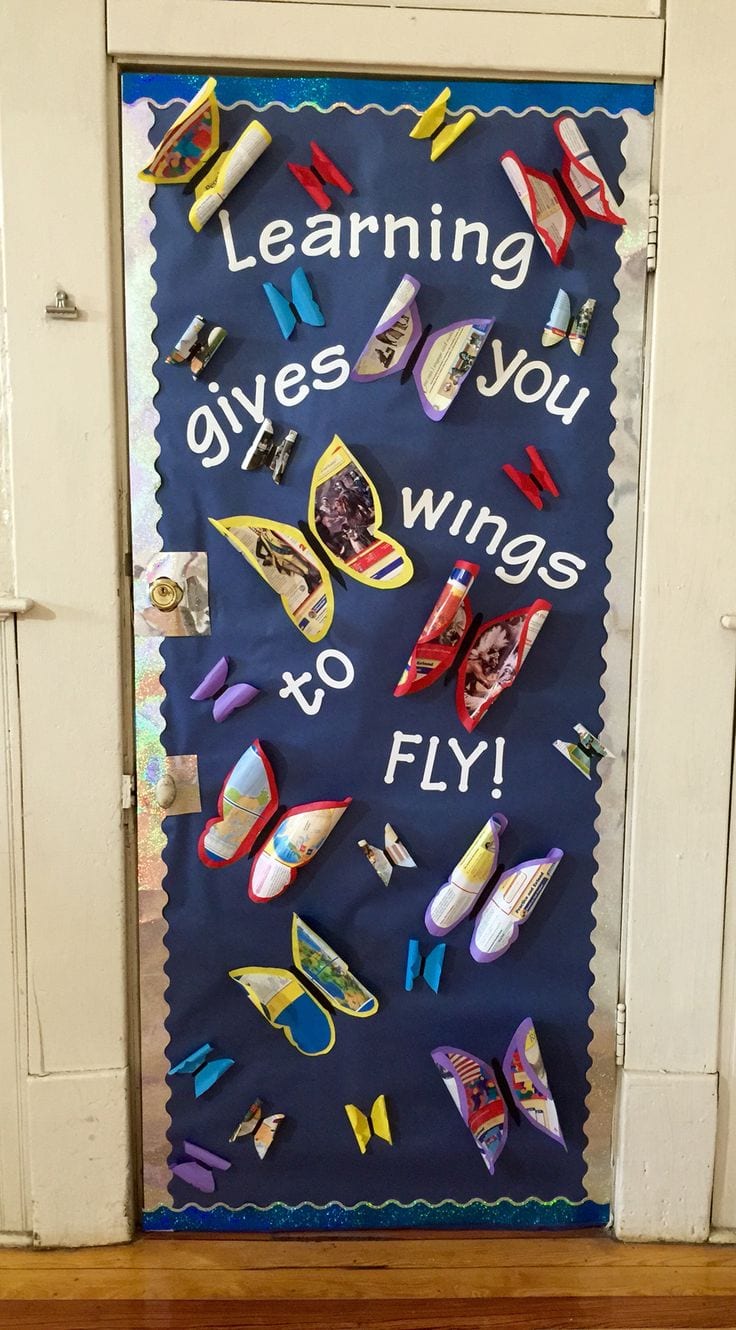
{"points": [[425, 1282]]}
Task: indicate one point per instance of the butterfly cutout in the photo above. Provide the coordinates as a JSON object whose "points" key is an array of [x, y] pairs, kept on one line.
{"points": [[516, 894], [227, 700], [285, 1002], [490, 663], [542, 195], [206, 1073], [189, 144], [197, 1168], [428, 967], [429, 123], [248, 797], [441, 363], [561, 324], [302, 303], [322, 172], [344, 516], [536, 482], [582, 753], [262, 1129], [457, 897], [395, 855], [363, 1128], [477, 1092], [197, 345]]}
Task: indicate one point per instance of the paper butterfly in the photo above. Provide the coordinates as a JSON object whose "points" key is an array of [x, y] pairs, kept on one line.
{"points": [[248, 798], [287, 1005], [542, 196], [493, 659], [197, 345], [536, 482], [443, 361], [261, 1129], [322, 172], [206, 1073], [429, 967], [582, 752], [378, 1125], [197, 1168], [227, 700], [476, 1092], [431, 119], [302, 302], [344, 516], [395, 855], [561, 324], [190, 142]]}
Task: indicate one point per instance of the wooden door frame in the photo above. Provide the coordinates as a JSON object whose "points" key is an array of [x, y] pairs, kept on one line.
{"points": [[73, 649]]}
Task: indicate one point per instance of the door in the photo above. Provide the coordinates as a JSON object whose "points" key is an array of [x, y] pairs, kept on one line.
{"points": [[448, 388]]}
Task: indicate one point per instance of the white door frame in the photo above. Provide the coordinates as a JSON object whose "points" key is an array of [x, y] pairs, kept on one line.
{"points": [[63, 453]]}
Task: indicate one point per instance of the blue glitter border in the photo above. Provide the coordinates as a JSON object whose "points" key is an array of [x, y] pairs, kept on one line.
{"points": [[281, 1218], [323, 91]]}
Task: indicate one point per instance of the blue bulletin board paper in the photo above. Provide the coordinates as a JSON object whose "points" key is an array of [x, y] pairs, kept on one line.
{"points": [[315, 1178]]}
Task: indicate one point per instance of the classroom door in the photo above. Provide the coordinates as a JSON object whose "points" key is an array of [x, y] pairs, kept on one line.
{"points": [[382, 703]]}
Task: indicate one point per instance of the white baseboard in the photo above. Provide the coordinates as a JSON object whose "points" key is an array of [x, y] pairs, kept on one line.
{"points": [[663, 1179], [80, 1159]]}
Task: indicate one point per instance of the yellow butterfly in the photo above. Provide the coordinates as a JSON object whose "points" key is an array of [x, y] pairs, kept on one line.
{"points": [[344, 516]]}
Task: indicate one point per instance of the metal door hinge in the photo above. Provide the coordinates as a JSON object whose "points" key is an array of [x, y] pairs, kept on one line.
{"points": [[653, 232], [128, 792], [620, 1033]]}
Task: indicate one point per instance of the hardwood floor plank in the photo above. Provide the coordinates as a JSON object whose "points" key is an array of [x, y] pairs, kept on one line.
{"points": [[489, 1252], [657, 1313], [579, 1279]]}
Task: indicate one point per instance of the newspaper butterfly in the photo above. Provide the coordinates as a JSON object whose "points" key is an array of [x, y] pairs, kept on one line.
{"points": [[552, 202], [490, 657], [344, 517], [481, 1093], [288, 1005], [439, 362]]}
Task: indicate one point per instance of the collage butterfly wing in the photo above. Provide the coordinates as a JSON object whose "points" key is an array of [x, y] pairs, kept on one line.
{"points": [[328, 972], [345, 516], [583, 175], [494, 659], [283, 558], [475, 1092], [543, 202], [188, 143], [287, 1005], [445, 361], [527, 1080], [394, 337]]}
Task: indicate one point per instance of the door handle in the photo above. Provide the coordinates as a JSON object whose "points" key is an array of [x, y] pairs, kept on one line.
{"points": [[729, 621]]}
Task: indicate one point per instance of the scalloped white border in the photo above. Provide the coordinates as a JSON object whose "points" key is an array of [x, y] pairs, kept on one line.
{"points": [[627, 375]]}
